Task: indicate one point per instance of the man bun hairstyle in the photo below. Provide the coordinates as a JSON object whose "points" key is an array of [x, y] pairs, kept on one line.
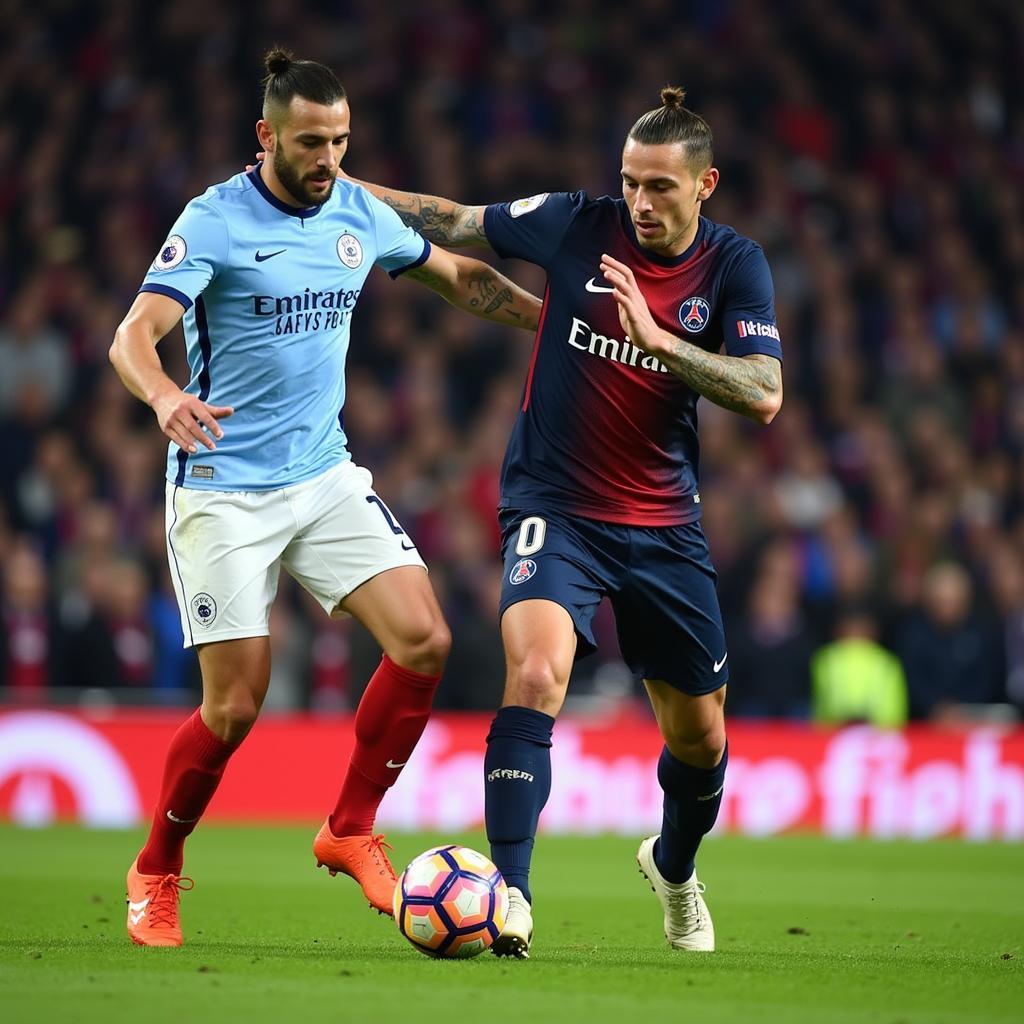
{"points": [[672, 122], [287, 78]]}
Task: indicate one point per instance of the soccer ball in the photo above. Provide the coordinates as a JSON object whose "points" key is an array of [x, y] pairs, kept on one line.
{"points": [[451, 902]]}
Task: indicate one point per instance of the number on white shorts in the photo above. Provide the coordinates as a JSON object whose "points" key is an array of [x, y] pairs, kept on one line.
{"points": [[531, 535]]}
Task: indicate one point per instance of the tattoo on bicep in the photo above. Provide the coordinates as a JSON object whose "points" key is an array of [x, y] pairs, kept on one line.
{"points": [[471, 229]]}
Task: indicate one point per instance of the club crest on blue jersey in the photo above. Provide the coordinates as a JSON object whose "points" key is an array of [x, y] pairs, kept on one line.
{"points": [[204, 609], [350, 251], [172, 252], [522, 571], [694, 314]]}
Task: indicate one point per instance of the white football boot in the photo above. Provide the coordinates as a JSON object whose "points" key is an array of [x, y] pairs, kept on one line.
{"points": [[517, 934], [687, 921]]}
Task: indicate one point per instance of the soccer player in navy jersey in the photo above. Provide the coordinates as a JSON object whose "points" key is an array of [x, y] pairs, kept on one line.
{"points": [[599, 492], [266, 269]]}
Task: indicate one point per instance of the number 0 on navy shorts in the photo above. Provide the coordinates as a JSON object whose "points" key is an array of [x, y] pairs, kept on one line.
{"points": [[659, 580]]}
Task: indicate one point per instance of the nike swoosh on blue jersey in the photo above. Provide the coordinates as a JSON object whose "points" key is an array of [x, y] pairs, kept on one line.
{"points": [[261, 256]]}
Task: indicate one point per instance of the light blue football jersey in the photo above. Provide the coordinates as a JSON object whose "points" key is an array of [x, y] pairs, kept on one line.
{"points": [[269, 292]]}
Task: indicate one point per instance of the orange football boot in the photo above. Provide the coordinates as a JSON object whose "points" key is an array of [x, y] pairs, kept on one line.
{"points": [[362, 858], [153, 907]]}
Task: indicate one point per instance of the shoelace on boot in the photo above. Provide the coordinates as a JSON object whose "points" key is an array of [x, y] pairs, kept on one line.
{"points": [[685, 902], [375, 848], [163, 898]]}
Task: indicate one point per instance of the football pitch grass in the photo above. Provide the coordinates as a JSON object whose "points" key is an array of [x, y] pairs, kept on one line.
{"points": [[809, 930]]}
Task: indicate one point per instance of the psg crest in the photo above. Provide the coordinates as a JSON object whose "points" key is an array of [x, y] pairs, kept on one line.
{"points": [[171, 253], [523, 570], [694, 314]]}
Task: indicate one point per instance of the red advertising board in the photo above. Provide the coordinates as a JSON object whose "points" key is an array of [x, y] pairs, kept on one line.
{"points": [[105, 770]]}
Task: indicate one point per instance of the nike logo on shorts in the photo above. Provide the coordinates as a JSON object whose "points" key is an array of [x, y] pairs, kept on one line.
{"points": [[408, 547], [261, 256], [592, 287], [719, 664]]}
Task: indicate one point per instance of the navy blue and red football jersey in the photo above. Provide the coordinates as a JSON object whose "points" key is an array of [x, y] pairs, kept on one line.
{"points": [[605, 431]]}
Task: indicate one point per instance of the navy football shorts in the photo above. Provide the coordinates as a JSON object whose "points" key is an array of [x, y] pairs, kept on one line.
{"points": [[659, 580]]}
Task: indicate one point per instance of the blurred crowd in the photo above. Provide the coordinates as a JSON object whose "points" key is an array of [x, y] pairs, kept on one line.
{"points": [[869, 542]]}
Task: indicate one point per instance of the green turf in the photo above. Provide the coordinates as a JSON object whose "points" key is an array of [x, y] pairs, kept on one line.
{"points": [[808, 931]]}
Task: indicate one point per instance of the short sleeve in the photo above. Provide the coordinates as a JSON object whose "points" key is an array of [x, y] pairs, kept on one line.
{"points": [[748, 308], [190, 257], [399, 248], [532, 229]]}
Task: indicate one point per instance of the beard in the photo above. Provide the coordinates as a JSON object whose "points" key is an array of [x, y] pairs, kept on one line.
{"points": [[296, 185]]}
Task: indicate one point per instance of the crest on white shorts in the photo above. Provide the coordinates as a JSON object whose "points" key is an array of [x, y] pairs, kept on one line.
{"points": [[521, 206], [204, 609], [350, 251]]}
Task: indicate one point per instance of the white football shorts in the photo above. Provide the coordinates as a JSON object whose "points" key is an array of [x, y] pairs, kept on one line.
{"points": [[226, 548]]}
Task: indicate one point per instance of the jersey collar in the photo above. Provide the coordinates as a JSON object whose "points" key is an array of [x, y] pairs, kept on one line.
{"points": [[663, 261], [292, 211]]}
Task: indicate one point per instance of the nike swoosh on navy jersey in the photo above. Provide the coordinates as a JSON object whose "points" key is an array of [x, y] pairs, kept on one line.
{"points": [[261, 256], [591, 287]]}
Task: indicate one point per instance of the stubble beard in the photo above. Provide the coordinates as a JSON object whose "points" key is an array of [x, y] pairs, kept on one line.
{"points": [[295, 185]]}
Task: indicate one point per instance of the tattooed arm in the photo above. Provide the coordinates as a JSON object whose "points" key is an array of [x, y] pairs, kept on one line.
{"points": [[441, 220], [477, 288], [750, 385]]}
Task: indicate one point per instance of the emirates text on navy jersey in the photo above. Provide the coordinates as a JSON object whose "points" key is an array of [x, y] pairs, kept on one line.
{"points": [[601, 345]]}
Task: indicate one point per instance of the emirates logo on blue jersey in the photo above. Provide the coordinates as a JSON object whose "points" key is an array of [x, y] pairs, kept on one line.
{"points": [[694, 314], [522, 571]]}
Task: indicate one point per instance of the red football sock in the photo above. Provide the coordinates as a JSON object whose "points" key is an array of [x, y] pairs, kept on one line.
{"points": [[389, 721], [195, 763]]}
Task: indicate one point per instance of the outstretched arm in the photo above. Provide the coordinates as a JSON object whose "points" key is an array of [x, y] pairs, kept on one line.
{"points": [[441, 220], [750, 385], [477, 288]]}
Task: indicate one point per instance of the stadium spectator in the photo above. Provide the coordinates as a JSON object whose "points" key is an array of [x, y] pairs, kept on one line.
{"points": [[855, 679], [30, 647], [951, 653]]}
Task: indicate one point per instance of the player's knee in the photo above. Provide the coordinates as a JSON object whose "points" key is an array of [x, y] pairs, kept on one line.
{"points": [[701, 747], [231, 717], [425, 646], [535, 683]]}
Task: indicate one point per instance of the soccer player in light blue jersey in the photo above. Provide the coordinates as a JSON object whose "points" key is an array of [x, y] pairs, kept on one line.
{"points": [[266, 269]]}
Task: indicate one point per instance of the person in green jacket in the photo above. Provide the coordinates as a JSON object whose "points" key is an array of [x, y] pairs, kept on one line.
{"points": [[855, 679]]}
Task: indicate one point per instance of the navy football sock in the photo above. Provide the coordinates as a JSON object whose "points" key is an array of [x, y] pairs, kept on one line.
{"points": [[692, 798], [517, 781]]}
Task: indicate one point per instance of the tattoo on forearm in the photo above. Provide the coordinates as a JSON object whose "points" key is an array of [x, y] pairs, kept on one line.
{"points": [[486, 293], [738, 384], [491, 294], [439, 220]]}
